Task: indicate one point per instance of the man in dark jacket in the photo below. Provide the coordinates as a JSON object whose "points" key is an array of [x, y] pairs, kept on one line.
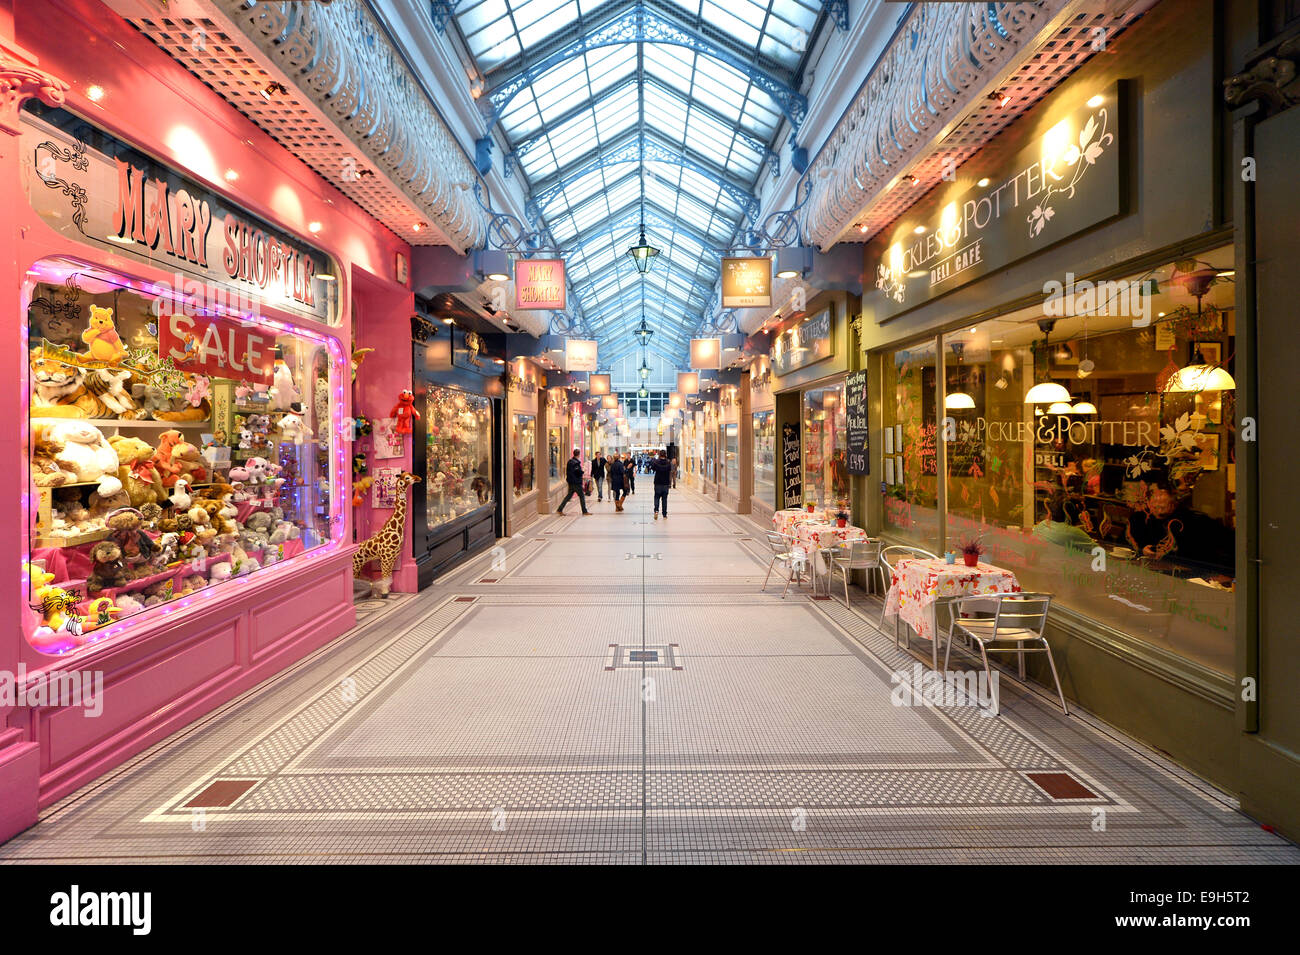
{"points": [[598, 475], [573, 474], [617, 485], [663, 471], [629, 474]]}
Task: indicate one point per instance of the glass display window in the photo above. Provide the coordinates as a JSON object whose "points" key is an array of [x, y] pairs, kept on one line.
{"points": [[731, 435], [765, 456], [555, 452], [459, 451], [171, 448], [909, 445], [1121, 500], [825, 447], [523, 443]]}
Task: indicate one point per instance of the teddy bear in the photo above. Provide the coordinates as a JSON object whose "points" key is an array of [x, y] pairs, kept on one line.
{"points": [[102, 338], [46, 449], [162, 457], [192, 583], [127, 531], [220, 571], [151, 513], [168, 549], [188, 461], [285, 531], [110, 568], [220, 515], [136, 471], [103, 504], [86, 454]]}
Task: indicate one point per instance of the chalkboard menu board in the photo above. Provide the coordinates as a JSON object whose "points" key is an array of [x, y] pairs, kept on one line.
{"points": [[792, 465], [855, 408]]}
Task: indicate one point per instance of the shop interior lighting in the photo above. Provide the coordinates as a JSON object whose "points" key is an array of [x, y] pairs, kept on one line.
{"points": [[231, 175], [313, 227], [958, 400], [96, 93], [1060, 407], [983, 182], [1046, 392], [326, 277], [1083, 407]]}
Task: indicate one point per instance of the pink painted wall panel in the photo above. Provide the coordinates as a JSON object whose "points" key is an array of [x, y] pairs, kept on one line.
{"points": [[210, 655], [286, 610]]}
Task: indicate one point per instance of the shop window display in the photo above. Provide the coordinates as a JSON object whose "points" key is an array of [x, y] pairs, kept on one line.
{"points": [[765, 456], [555, 453], [1121, 502], [731, 448], [171, 448], [909, 448], [825, 447], [523, 441], [459, 449]]}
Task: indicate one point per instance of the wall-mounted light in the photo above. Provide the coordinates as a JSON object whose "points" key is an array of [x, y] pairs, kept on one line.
{"points": [[793, 261], [492, 264], [272, 89]]}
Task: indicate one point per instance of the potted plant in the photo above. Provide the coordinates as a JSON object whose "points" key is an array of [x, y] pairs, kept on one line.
{"points": [[971, 549], [841, 518], [812, 506]]}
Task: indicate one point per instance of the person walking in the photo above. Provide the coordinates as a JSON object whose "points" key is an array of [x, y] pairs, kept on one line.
{"points": [[574, 476], [663, 471], [617, 485], [629, 471], [598, 475]]}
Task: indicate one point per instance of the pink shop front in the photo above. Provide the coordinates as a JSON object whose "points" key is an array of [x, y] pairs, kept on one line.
{"points": [[179, 528]]}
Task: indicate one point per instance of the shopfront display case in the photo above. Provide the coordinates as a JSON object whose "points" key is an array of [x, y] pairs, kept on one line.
{"points": [[458, 505], [179, 519]]}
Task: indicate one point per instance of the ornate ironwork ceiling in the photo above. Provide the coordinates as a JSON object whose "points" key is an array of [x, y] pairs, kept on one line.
{"points": [[657, 111]]}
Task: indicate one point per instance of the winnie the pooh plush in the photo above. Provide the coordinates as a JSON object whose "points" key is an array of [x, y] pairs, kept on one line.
{"points": [[137, 473], [102, 338]]}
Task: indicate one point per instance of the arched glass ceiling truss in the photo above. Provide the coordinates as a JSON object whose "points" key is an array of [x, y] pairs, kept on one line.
{"points": [[671, 106]]}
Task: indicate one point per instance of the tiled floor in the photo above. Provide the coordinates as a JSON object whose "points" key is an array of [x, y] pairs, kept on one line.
{"points": [[621, 692]]}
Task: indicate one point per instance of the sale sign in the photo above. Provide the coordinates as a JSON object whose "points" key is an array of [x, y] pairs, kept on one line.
{"points": [[216, 347]]}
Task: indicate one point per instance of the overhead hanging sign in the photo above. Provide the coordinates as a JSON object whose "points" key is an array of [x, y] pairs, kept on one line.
{"points": [[1064, 181], [805, 343], [747, 282], [90, 186], [539, 284], [579, 354]]}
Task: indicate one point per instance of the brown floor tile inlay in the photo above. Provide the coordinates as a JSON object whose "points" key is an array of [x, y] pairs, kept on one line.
{"points": [[222, 792], [1061, 786], [464, 600]]}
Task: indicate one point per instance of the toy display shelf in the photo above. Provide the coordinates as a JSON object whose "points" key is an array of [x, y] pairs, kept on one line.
{"points": [[86, 537], [125, 422]]}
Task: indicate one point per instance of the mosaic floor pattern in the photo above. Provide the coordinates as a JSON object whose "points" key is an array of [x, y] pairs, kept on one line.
{"points": [[622, 692]]}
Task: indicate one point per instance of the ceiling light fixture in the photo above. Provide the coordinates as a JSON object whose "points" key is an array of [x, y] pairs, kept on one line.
{"points": [[96, 93], [1046, 392], [643, 253], [231, 175], [271, 89], [983, 182], [1000, 98], [1095, 101], [313, 227]]}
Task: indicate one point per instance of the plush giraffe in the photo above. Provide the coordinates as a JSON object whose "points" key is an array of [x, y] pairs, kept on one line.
{"points": [[386, 545]]}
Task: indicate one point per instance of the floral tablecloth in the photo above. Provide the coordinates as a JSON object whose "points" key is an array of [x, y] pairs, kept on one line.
{"points": [[919, 582], [784, 522], [814, 535]]}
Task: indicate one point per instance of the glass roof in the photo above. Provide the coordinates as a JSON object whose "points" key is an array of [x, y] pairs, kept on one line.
{"points": [[604, 131]]}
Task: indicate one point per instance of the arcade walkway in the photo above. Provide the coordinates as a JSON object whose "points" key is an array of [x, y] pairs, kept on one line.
{"points": [[614, 689]]}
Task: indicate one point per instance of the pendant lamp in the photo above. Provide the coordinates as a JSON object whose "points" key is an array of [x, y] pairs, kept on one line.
{"points": [[958, 400], [1047, 392], [643, 253], [1198, 376]]}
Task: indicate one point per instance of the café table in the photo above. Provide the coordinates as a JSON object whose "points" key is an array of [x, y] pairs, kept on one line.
{"points": [[820, 537], [784, 522], [920, 584]]}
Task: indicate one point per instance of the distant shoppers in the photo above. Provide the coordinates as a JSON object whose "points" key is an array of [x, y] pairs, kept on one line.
{"points": [[630, 474], [573, 473], [617, 481], [663, 471], [598, 475]]}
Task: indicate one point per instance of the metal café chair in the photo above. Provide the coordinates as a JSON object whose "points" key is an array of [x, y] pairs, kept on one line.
{"points": [[792, 559], [1017, 619], [862, 555], [889, 558]]}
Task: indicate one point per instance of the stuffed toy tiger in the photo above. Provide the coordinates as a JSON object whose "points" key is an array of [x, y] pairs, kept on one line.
{"points": [[59, 391]]}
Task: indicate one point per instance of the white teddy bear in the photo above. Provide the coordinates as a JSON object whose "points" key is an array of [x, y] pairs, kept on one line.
{"points": [[87, 454]]}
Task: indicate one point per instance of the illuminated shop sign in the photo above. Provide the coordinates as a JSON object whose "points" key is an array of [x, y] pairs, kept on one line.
{"points": [[805, 343], [92, 187], [747, 282], [539, 284], [1066, 180]]}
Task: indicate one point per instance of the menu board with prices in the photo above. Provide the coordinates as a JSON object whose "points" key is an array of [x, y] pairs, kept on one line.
{"points": [[855, 408]]}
